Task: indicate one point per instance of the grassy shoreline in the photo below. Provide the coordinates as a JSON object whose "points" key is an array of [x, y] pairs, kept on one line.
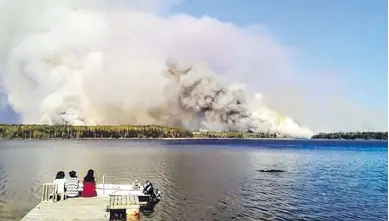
{"points": [[154, 132]]}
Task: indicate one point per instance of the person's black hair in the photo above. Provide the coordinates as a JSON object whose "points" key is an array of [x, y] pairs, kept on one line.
{"points": [[90, 176], [72, 174], [60, 175]]}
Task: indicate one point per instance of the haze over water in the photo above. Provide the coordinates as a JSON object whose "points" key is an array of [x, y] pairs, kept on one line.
{"points": [[213, 180]]}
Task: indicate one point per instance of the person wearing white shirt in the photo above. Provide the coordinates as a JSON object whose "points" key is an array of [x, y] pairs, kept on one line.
{"points": [[59, 183]]}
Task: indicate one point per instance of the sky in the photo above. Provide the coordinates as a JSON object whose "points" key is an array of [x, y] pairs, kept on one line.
{"points": [[347, 38], [323, 62]]}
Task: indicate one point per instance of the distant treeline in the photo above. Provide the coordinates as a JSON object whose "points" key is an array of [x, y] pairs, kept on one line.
{"points": [[150, 131], [237, 135], [353, 135], [39, 131], [79, 132]]}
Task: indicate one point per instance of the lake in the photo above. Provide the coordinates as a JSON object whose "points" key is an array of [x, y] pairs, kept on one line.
{"points": [[213, 179]]}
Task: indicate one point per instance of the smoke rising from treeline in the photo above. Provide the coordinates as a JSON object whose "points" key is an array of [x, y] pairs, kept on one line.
{"points": [[113, 62]]}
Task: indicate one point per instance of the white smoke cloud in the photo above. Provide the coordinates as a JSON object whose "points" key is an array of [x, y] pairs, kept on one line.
{"points": [[101, 62]]}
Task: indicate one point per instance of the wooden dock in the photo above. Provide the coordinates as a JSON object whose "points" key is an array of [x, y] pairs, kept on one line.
{"points": [[93, 208], [113, 198]]}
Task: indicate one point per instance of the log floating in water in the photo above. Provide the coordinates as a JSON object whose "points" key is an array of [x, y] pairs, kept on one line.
{"points": [[271, 171]]}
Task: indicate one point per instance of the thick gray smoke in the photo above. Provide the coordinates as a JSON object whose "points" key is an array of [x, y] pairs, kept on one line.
{"points": [[213, 106], [82, 64], [200, 93]]}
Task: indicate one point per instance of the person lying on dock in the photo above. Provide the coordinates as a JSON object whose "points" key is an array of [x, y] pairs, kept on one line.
{"points": [[59, 183], [89, 189], [71, 185]]}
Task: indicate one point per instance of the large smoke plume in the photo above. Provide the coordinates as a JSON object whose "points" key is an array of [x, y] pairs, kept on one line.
{"points": [[67, 62], [216, 107]]}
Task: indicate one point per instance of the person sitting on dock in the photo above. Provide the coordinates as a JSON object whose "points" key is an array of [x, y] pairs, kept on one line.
{"points": [[136, 185], [59, 183], [89, 189], [71, 185]]}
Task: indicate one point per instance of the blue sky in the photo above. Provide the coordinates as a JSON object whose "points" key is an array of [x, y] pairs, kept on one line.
{"points": [[345, 37]]}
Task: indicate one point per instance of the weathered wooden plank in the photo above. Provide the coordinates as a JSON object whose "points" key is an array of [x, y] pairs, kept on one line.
{"points": [[71, 209], [122, 199]]}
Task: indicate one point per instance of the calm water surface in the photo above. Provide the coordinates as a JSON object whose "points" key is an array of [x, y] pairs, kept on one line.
{"points": [[213, 180]]}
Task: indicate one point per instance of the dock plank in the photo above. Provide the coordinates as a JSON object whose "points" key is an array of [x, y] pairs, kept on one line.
{"points": [[81, 209]]}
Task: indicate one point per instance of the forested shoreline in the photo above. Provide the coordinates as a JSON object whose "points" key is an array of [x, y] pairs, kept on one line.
{"points": [[352, 136], [114, 132], [90, 132], [15, 131], [237, 135]]}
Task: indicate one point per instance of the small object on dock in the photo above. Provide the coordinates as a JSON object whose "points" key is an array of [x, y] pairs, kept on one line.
{"points": [[132, 213]]}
